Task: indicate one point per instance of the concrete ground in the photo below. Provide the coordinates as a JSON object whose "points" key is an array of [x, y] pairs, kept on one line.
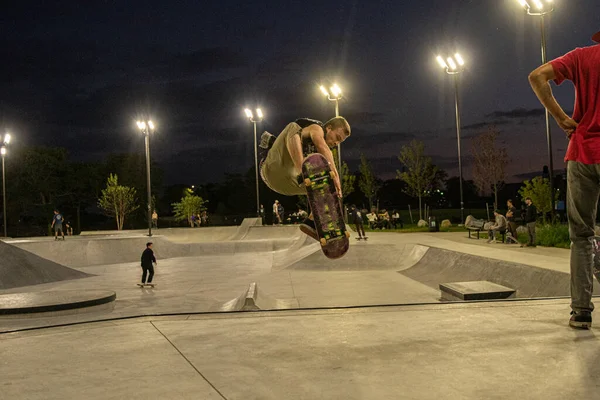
{"points": [[519, 349]]}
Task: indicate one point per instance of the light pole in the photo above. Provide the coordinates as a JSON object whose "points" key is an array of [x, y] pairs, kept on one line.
{"points": [[146, 127], [537, 8], [335, 94], [454, 66], [259, 117], [5, 142]]}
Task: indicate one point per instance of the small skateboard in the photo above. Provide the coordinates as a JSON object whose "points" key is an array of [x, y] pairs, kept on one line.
{"points": [[146, 284], [362, 238], [325, 206]]}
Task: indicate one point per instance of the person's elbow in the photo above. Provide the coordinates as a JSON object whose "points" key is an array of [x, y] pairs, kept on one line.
{"points": [[540, 75]]}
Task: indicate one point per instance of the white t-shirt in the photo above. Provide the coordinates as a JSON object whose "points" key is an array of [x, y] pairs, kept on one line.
{"points": [[274, 208]]}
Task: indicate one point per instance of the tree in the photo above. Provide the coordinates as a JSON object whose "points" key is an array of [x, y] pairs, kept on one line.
{"points": [[348, 180], [189, 205], [420, 173], [117, 201], [538, 189], [368, 182], [490, 160]]}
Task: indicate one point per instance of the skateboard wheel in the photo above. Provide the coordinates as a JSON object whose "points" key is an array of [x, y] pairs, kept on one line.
{"points": [[347, 234], [307, 182], [323, 241]]}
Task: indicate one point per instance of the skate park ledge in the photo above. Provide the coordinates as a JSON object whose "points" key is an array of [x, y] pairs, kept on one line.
{"points": [[475, 290], [17, 304]]}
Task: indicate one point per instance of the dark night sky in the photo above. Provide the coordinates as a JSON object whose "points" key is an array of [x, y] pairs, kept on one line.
{"points": [[79, 75]]}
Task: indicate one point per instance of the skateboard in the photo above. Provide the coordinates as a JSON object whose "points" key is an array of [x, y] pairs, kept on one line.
{"points": [[146, 284], [325, 206]]}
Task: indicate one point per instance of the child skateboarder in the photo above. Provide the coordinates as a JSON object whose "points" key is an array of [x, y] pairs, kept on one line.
{"points": [[148, 262], [57, 222], [281, 169]]}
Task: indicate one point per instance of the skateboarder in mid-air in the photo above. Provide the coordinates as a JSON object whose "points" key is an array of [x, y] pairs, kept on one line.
{"points": [[281, 168], [148, 262]]}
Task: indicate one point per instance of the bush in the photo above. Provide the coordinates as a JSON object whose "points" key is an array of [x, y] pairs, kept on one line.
{"points": [[553, 236]]}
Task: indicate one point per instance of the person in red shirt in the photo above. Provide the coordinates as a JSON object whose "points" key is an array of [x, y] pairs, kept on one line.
{"points": [[582, 67]]}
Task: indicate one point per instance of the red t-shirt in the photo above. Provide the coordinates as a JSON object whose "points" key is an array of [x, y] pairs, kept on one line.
{"points": [[582, 67]]}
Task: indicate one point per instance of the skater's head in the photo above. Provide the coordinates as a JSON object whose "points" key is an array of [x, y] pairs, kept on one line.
{"points": [[509, 202], [336, 131], [497, 212], [528, 201], [149, 245], [55, 211]]}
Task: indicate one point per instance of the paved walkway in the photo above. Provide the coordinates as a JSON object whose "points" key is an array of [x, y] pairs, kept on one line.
{"points": [[503, 350]]}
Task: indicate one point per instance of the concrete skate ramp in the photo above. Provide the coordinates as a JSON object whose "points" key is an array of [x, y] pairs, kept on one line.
{"points": [[252, 299], [84, 252], [20, 268], [441, 266], [272, 232], [365, 256]]}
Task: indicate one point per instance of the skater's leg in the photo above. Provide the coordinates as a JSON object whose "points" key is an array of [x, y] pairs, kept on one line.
{"points": [[144, 273], [150, 273]]}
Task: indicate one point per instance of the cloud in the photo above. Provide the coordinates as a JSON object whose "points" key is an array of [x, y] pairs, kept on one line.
{"points": [[517, 113], [482, 125]]}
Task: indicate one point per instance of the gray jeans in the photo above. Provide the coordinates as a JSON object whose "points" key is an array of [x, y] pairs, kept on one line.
{"points": [[531, 232], [582, 200]]}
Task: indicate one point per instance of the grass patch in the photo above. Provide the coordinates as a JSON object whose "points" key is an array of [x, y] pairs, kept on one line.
{"points": [[553, 236]]}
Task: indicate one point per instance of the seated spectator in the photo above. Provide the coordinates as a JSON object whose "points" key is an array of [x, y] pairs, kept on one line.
{"points": [[499, 226], [384, 220], [395, 220], [372, 217]]}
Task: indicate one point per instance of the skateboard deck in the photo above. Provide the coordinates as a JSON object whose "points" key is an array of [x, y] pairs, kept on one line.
{"points": [[325, 206], [144, 285]]}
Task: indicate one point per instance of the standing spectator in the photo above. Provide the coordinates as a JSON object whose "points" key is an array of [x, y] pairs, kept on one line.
{"points": [[155, 219], [498, 227], [193, 220], [580, 66], [198, 220], [148, 262], [281, 213], [276, 219], [204, 218], [512, 223], [357, 219], [57, 222], [530, 218]]}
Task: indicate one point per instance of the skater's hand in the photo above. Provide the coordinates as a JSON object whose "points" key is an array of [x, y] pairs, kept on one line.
{"points": [[568, 125], [338, 186]]}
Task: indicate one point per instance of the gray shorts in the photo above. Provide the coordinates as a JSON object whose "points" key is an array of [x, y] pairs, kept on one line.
{"points": [[278, 170], [58, 228]]}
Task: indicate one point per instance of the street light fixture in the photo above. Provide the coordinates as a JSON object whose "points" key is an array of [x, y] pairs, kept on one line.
{"points": [[539, 8], [146, 127], [5, 142], [335, 94], [259, 117], [454, 65]]}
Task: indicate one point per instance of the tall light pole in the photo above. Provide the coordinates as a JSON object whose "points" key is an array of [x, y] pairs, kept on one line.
{"points": [[5, 142], [146, 127], [541, 8], [454, 66], [259, 117], [335, 94]]}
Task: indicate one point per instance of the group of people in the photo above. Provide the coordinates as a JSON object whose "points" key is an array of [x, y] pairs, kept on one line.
{"points": [[200, 219], [507, 225], [382, 219]]}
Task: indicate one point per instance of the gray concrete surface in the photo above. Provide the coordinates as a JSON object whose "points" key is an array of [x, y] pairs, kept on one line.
{"points": [[522, 350]]}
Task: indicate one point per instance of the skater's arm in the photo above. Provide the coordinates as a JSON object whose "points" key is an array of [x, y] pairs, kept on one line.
{"points": [[539, 80], [318, 139]]}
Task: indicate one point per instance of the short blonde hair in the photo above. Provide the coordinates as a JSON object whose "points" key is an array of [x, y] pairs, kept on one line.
{"points": [[338, 122]]}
